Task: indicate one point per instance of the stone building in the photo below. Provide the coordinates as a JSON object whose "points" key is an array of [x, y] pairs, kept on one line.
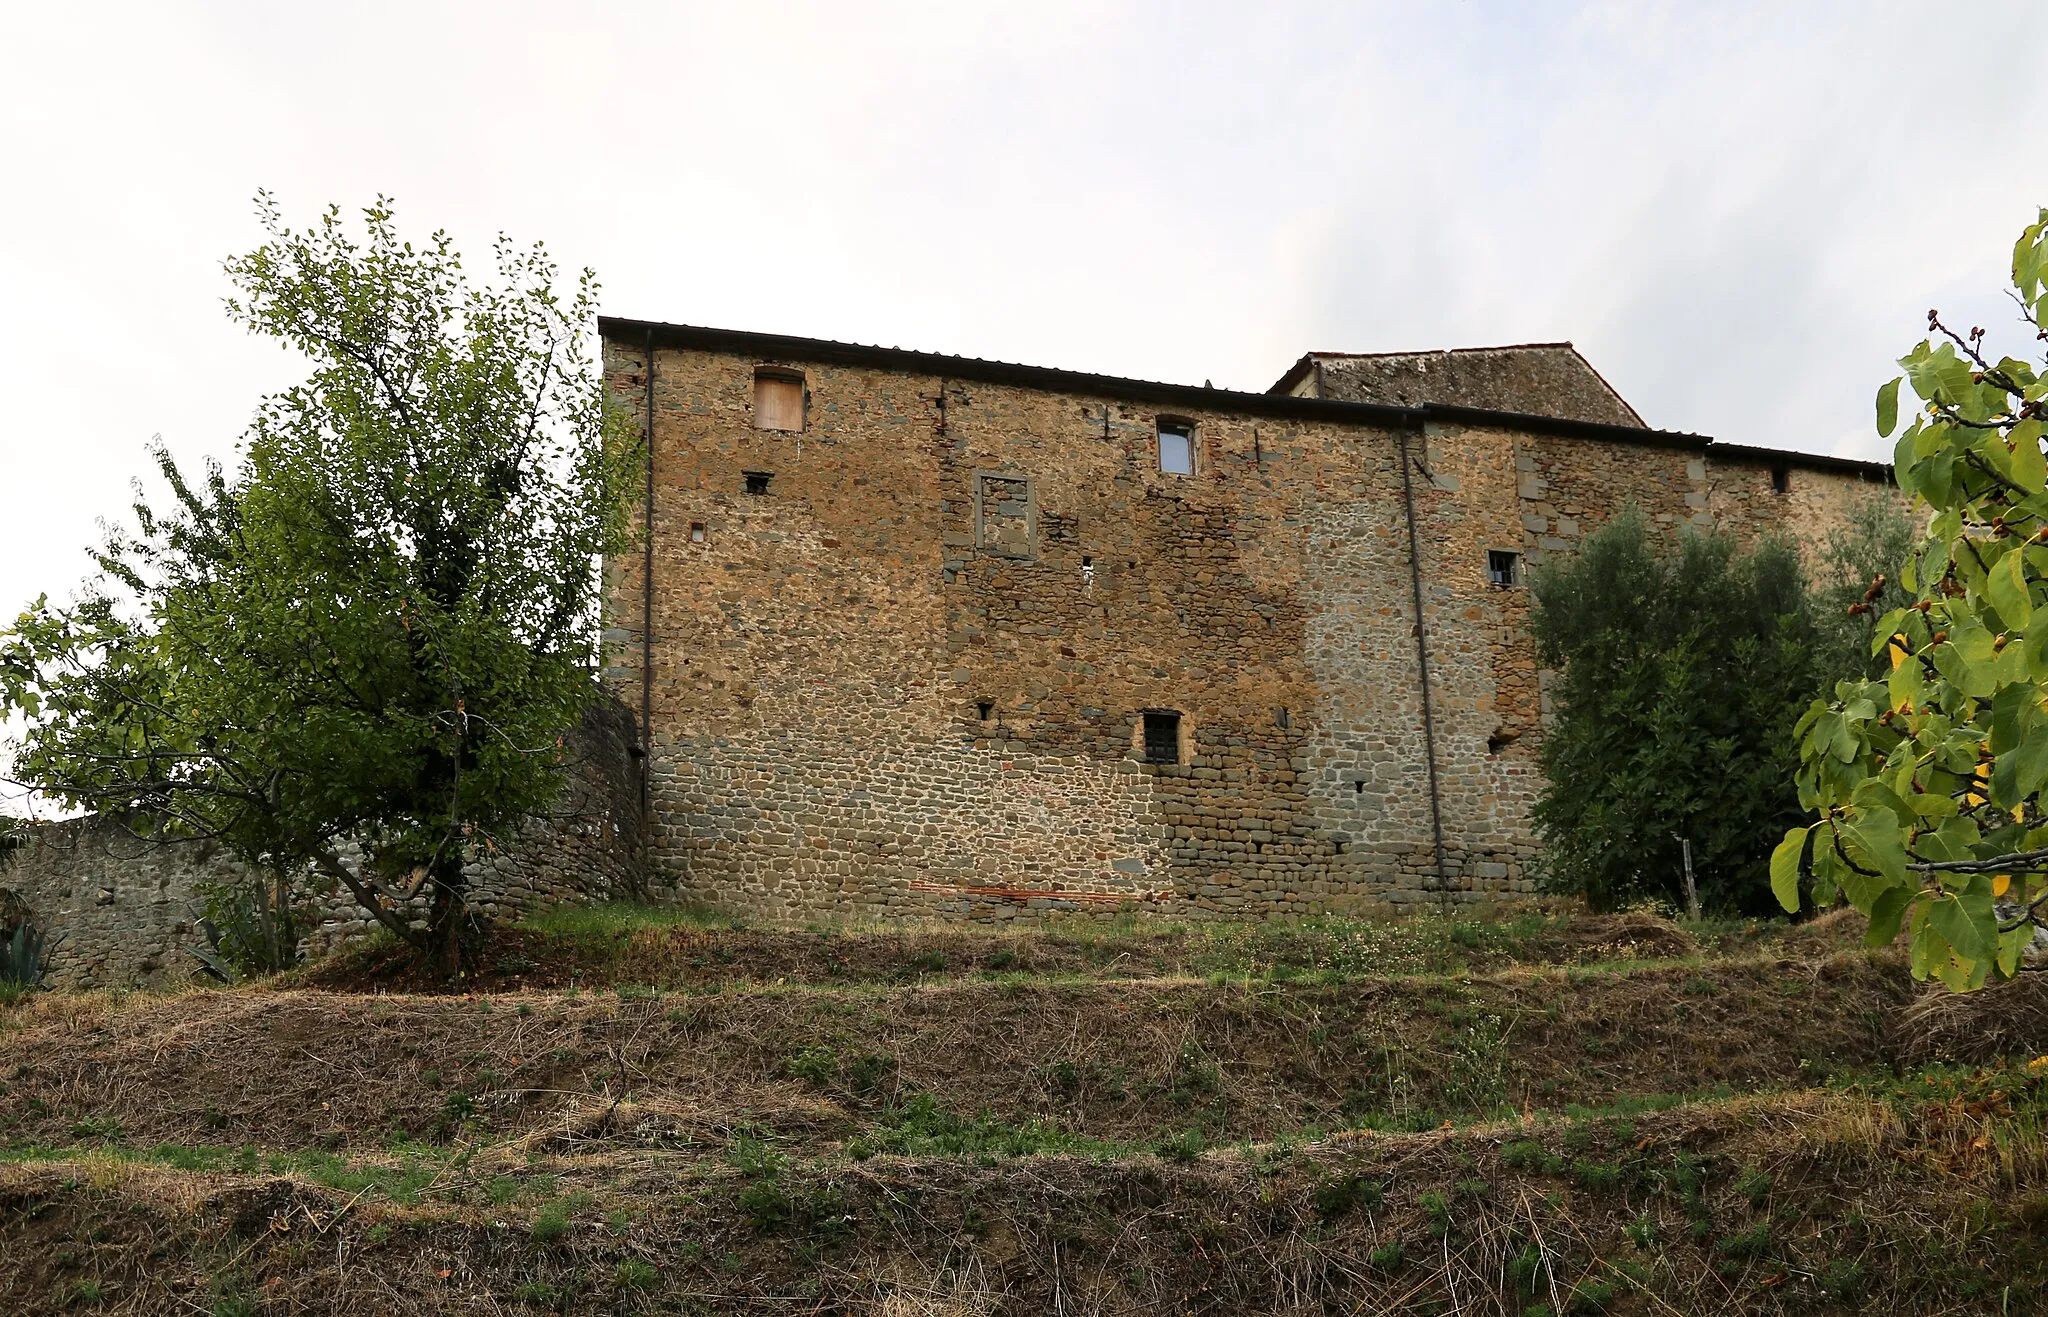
{"points": [[919, 634]]}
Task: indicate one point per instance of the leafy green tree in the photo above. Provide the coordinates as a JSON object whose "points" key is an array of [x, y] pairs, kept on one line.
{"points": [[356, 653], [1680, 674], [1928, 784], [1856, 583]]}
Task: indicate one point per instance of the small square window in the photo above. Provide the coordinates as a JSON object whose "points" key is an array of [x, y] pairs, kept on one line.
{"points": [[1176, 448], [1503, 568], [778, 400], [698, 535], [757, 481], [1162, 738], [1781, 480]]}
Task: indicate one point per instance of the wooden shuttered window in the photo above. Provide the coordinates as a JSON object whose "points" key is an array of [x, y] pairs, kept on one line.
{"points": [[778, 400]]}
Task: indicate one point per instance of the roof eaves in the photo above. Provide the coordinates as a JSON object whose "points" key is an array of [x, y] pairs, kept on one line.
{"points": [[1564, 425], [787, 347], [1792, 457]]}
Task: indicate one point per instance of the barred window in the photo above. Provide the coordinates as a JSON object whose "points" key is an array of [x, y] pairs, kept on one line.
{"points": [[1162, 738]]}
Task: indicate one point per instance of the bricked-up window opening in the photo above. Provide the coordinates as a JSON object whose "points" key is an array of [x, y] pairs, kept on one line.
{"points": [[1162, 738], [1005, 518], [757, 481], [1176, 448], [778, 400], [1503, 568], [697, 532], [1781, 480]]}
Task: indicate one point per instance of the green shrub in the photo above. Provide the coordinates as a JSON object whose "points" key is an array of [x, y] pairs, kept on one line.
{"points": [[1683, 669]]}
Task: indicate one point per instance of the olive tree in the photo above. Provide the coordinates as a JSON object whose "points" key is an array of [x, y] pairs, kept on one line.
{"points": [[1681, 667]]}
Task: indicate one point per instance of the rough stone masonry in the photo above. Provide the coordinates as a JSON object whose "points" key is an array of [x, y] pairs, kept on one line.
{"points": [[925, 635]]}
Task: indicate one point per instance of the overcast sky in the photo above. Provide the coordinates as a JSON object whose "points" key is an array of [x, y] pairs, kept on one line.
{"points": [[1740, 213]]}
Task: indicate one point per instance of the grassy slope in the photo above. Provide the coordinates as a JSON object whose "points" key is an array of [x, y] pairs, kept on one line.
{"points": [[959, 1122]]}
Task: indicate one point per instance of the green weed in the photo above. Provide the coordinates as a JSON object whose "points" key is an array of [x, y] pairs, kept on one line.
{"points": [[1334, 1197], [920, 1128], [1753, 1242]]}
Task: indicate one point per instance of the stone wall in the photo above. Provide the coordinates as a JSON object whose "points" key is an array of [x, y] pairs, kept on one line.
{"points": [[909, 676], [120, 911]]}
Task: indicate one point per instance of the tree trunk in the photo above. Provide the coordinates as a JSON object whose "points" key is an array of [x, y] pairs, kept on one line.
{"points": [[285, 947], [448, 913], [266, 927]]}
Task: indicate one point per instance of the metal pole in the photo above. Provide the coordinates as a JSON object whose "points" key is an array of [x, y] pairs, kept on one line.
{"points": [[647, 619], [1436, 807]]}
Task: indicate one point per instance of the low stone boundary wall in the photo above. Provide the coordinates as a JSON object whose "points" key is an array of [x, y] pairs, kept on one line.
{"points": [[120, 911]]}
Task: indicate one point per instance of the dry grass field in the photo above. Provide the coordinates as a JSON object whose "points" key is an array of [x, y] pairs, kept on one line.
{"points": [[630, 1111]]}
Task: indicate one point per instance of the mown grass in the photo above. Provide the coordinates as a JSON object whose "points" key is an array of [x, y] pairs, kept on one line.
{"points": [[1817, 1194], [695, 949], [610, 920], [1328, 948], [918, 1127], [417, 1168]]}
